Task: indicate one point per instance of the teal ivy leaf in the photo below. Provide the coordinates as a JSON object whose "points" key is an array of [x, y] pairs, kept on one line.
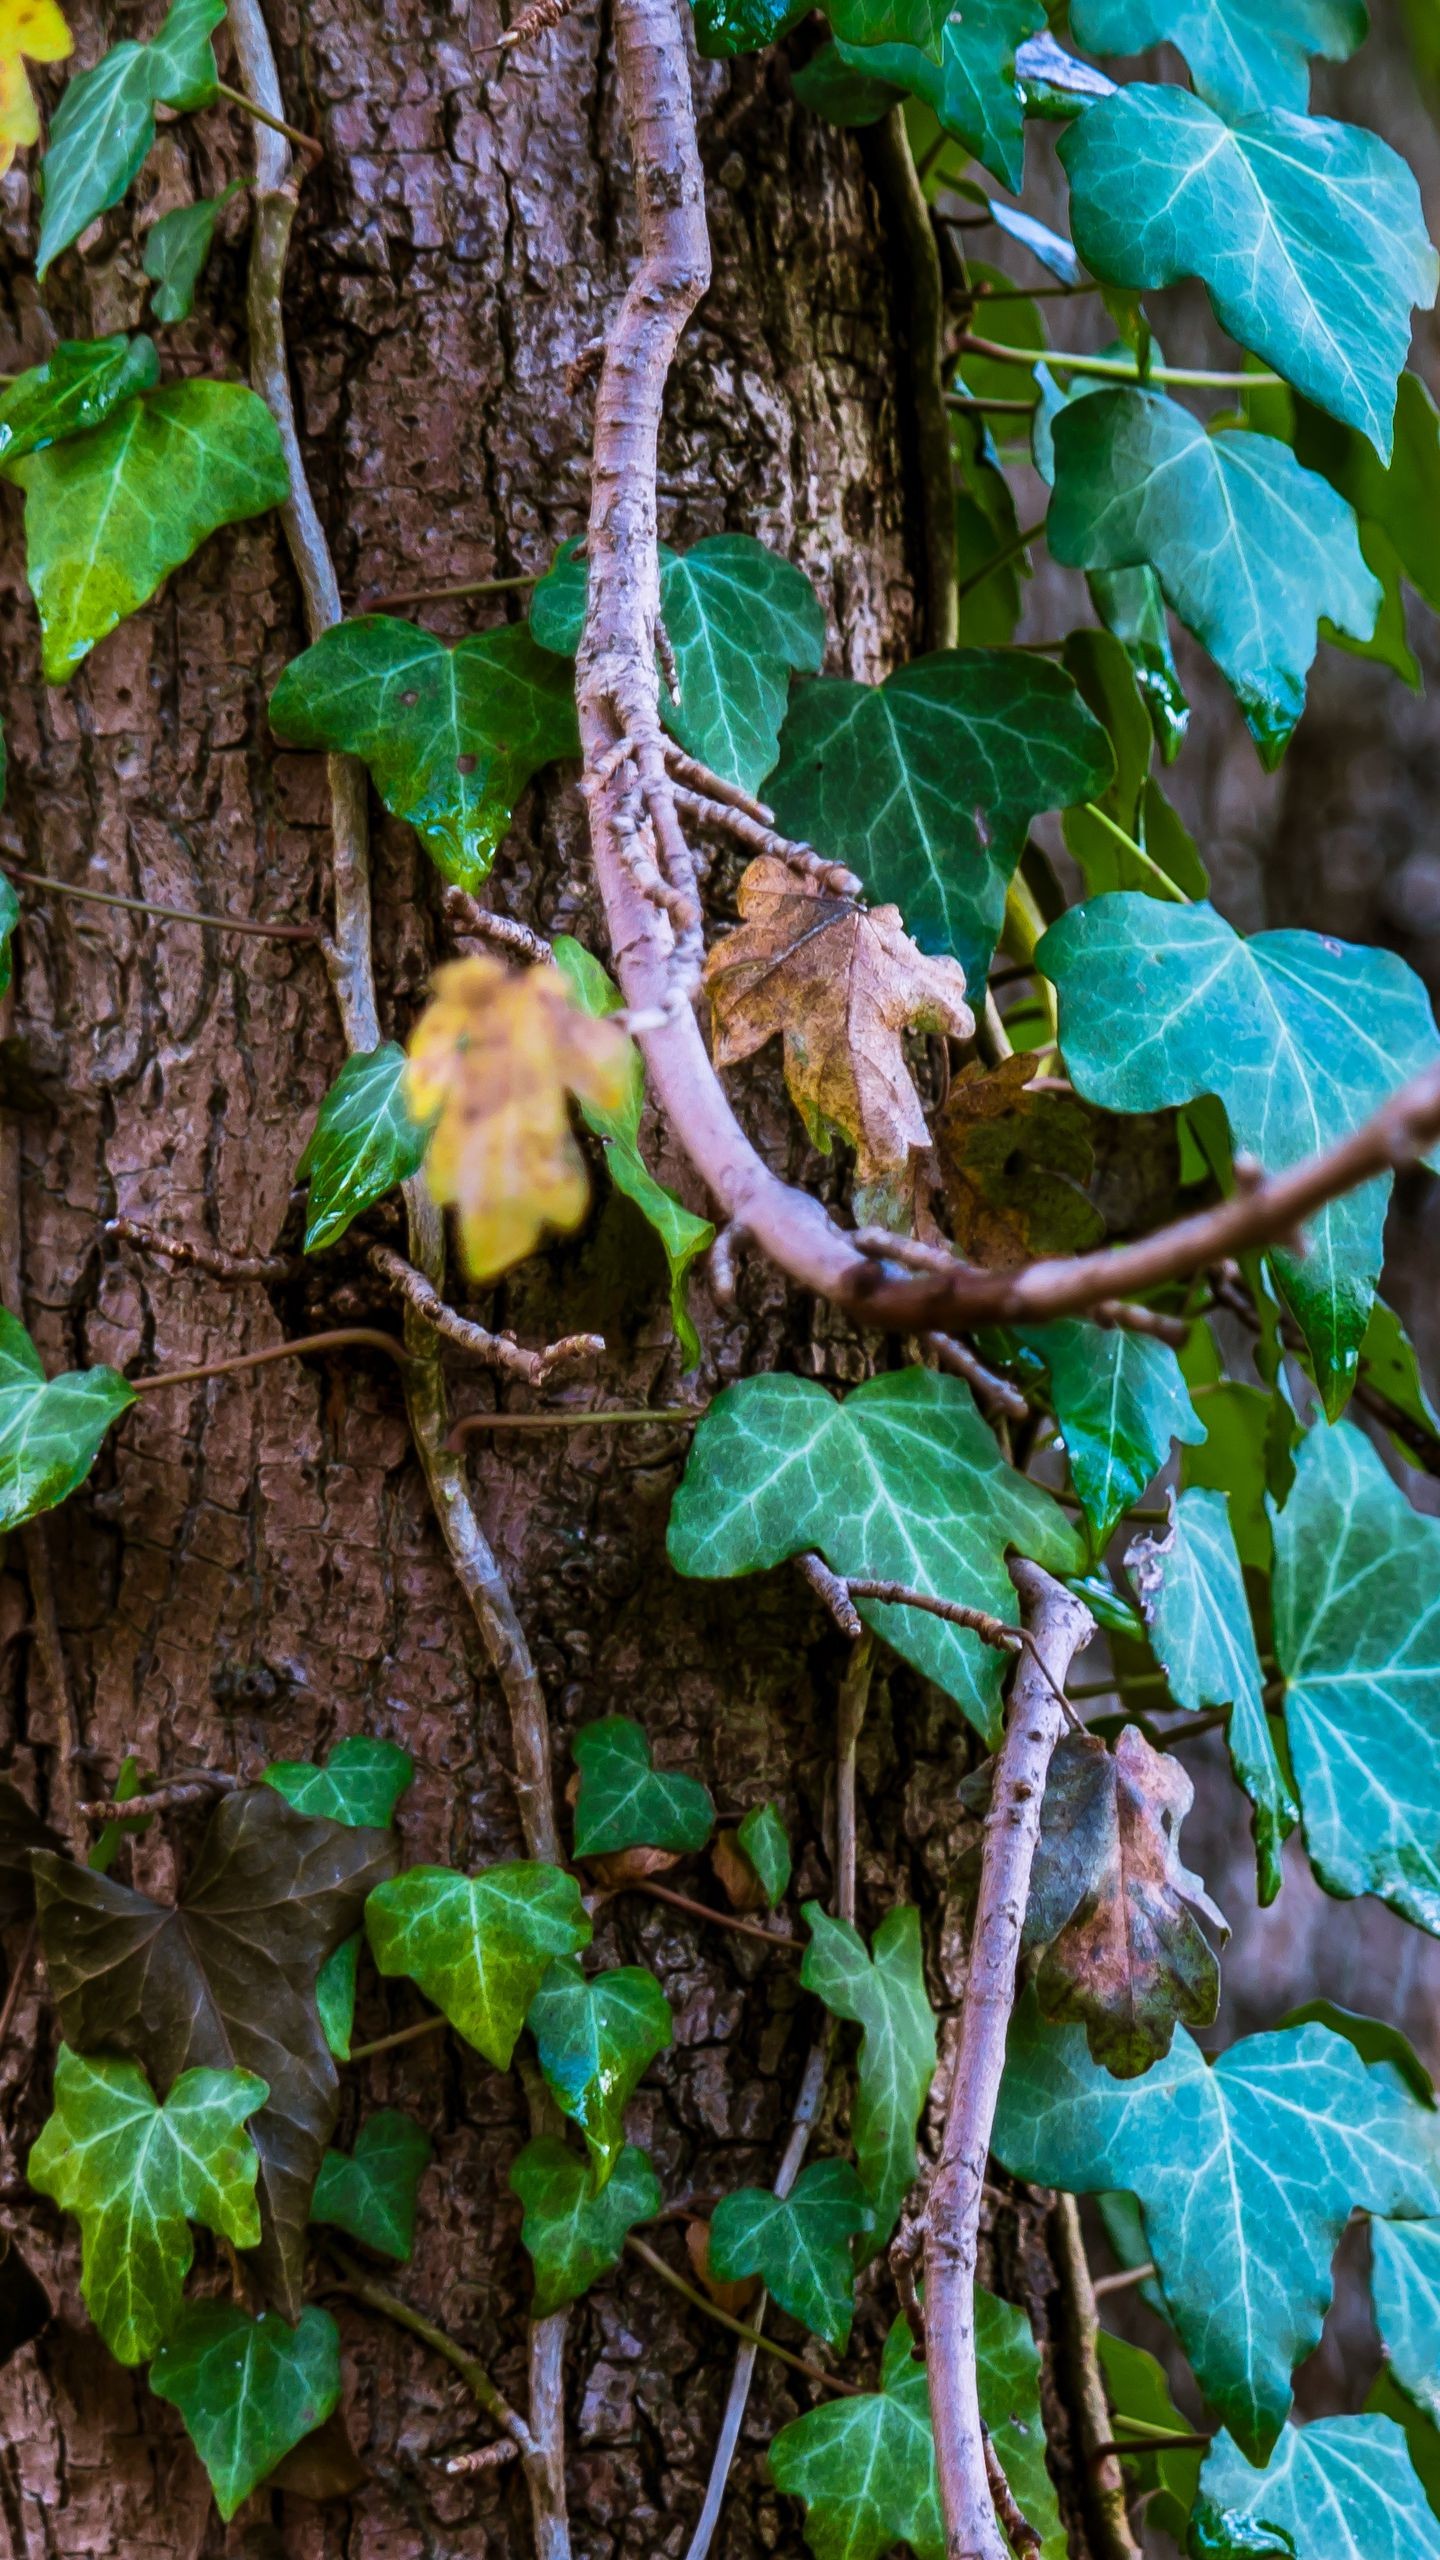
{"points": [[766, 1843], [371, 2194], [1309, 236], [1339, 2489], [137, 2175], [1357, 1605], [451, 734], [365, 1140], [177, 249], [683, 1236], [247, 2390], [573, 2234], [74, 390], [1250, 549], [109, 515], [898, 1482], [478, 1946], [50, 1429], [1400, 500], [884, 1995], [724, 28], [972, 89], [799, 2245], [595, 2040], [1374, 2039], [1192, 1592], [1405, 2289], [1119, 1400], [360, 1783], [335, 1995], [104, 125], [1299, 1036], [625, 1802], [739, 619], [1304, 2131], [1389, 1366], [9, 908], [927, 784], [1244, 55]]}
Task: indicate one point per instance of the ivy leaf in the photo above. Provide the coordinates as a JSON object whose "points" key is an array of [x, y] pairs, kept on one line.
{"points": [[1405, 2289], [1192, 1592], [1120, 1400], [104, 125], [728, 27], [1299, 1036], [451, 735], [724, 28], [899, 1482], [1015, 1164], [137, 2175], [972, 89], [335, 1995], [871, 772], [1357, 1588], [848, 96], [360, 1783], [248, 2390], [1400, 500], [365, 1140], [36, 30], [625, 1802], [20, 1832], [372, 2193], [683, 1236], [573, 2234], [1250, 549], [884, 1995], [765, 1842], [50, 1429], [1305, 2132], [1244, 55], [225, 1978], [1136, 2389], [799, 2245], [595, 2040], [478, 1946], [74, 390], [1109, 673], [1309, 236], [177, 248], [1339, 2489], [109, 515]]}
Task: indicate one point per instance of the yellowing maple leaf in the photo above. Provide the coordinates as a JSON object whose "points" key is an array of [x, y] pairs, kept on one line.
{"points": [[495, 1054], [841, 982], [34, 28]]}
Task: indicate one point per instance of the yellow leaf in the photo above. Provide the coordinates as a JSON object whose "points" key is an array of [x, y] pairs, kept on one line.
{"points": [[496, 1053], [34, 28]]}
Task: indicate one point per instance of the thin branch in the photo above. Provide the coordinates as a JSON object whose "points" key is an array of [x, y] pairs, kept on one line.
{"points": [[202, 1788], [1163, 886], [211, 1258], [392, 2306], [343, 1337], [388, 602], [1117, 1315], [1122, 2282], [753, 2337], [1115, 368], [1105, 2482], [714, 786], [401, 2035], [497, 1350], [465, 1423], [1022, 2535], [305, 142], [147, 907], [832, 1593], [996, 1393], [1001, 559], [724, 818], [19, 1976], [1153, 2440], [482, 2457], [470, 921], [851, 1707], [703, 1911]]}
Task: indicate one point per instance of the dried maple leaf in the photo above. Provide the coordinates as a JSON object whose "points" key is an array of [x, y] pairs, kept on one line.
{"points": [[36, 30], [1015, 1165], [495, 1055], [842, 982]]}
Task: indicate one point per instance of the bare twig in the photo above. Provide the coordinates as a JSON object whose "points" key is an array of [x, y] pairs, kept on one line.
{"points": [[1117, 1315], [850, 1717], [534, 21], [1121, 2282], [199, 1788], [1022, 2534], [701, 2302], [832, 1593], [305, 142], [193, 1255], [703, 1911], [147, 907], [401, 2035], [994, 1392], [19, 1976], [713, 786], [344, 1337], [392, 2306], [1105, 2482], [472, 922], [724, 818], [483, 2457], [388, 602], [497, 1350]]}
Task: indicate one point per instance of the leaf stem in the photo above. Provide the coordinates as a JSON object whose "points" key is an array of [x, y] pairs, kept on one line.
{"points": [[146, 907], [1121, 2282], [305, 142], [387, 602], [1164, 885], [1001, 559], [1115, 369], [391, 2306], [737, 2328], [465, 1423], [343, 1337], [703, 1911], [402, 2035]]}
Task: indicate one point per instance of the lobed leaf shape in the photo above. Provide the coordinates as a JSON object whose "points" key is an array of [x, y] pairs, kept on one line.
{"points": [[1246, 2173], [1308, 236], [372, 2192], [177, 249], [360, 1782], [1251, 550], [972, 89], [136, 2175], [104, 125], [927, 785], [478, 1946], [1339, 2489], [51, 1429], [224, 1979], [595, 2040], [33, 31], [899, 1481], [1244, 55], [1357, 1633], [1300, 1038], [21, 1830], [800, 2245], [625, 1802], [73, 391], [766, 1843], [575, 2234], [1120, 1402], [1191, 1589], [884, 1995], [247, 2390], [451, 733]]}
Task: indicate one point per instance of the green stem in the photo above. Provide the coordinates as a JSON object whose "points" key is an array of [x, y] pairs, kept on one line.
{"points": [[439, 595], [1115, 368], [753, 2337], [305, 142], [378, 2297], [1000, 559], [1165, 887], [402, 2035]]}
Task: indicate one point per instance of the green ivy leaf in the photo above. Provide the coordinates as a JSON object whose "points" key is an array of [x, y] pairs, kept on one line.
{"points": [[1119, 1400], [50, 1429], [364, 1142], [1250, 549], [595, 2040], [874, 774], [799, 2245], [136, 2175], [1192, 1593], [104, 125], [1244, 55], [848, 96], [372, 2193], [177, 249], [1299, 1036], [972, 89], [1339, 2489], [74, 390], [884, 1995], [1309, 236], [626, 1803], [1405, 2289], [109, 515], [683, 1236], [451, 735], [247, 2389], [1374, 2039], [360, 1783], [478, 1946], [1131, 604], [766, 1843], [1136, 2388], [1105, 668], [335, 1995], [573, 2234], [1402, 499], [724, 28], [1305, 2133], [898, 1482]]}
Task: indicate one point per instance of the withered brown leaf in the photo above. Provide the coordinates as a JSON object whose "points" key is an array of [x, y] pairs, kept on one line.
{"points": [[841, 983], [1015, 1165]]}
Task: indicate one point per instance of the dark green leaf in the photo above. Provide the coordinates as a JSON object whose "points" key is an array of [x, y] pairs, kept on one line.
{"points": [[1131, 605], [372, 2193], [1144, 846], [1016, 1164], [724, 28], [728, 27], [247, 2389], [972, 89], [1388, 1365], [1374, 2039], [885, 1996], [1119, 1400], [74, 390], [1405, 2289], [1243, 54], [177, 248], [574, 2235], [104, 125], [1136, 2388], [50, 1430], [335, 1995], [763, 1837], [1402, 500], [478, 1946], [361, 1782], [1386, 2399], [625, 1802], [841, 90], [20, 1832], [799, 2245], [1339, 2489], [364, 1142], [1241, 1425], [595, 2040]]}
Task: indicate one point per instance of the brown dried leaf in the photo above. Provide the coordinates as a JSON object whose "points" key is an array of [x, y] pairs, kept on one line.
{"points": [[1015, 1165], [496, 1054], [737, 1878], [735, 2298], [841, 982], [615, 1868]]}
